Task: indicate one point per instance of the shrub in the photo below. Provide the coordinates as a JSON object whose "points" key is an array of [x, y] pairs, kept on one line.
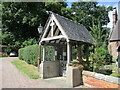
{"points": [[7, 50], [104, 71], [30, 41], [100, 58], [29, 54]]}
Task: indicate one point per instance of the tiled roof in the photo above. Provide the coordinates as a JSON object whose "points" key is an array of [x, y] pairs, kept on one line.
{"points": [[74, 31], [115, 35]]}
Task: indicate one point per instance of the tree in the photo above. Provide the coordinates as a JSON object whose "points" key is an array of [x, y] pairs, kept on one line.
{"points": [[6, 38], [100, 56], [100, 34], [87, 12], [22, 19]]}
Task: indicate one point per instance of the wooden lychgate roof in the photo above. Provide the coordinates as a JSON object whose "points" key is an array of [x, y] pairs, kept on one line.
{"points": [[60, 29]]}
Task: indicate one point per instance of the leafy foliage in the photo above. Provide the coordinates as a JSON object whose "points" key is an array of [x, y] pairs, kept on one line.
{"points": [[22, 19], [30, 41], [6, 38], [100, 55], [86, 12], [100, 58], [50, 53], [7, 50], [29, 54], [100, 34]]}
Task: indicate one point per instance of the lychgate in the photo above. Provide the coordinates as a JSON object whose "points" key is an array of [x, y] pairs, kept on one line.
{"points": [[62, 34]]}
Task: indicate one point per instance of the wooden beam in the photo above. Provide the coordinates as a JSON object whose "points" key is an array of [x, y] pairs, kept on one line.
{"points": [[46, 28], [59, 41], [52, 44], [59, 32], [59, 26], [52, 27], [47, 32], [52, 38], [56, 27], [52, 41]]}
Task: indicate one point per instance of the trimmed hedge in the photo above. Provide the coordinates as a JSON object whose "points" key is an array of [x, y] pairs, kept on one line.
{"points": [[29, 54]]}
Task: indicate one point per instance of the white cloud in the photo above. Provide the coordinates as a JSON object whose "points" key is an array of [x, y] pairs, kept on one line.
{"points": [[110, 24]]}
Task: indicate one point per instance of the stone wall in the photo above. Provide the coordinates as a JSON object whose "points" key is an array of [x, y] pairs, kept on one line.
{"points": [[49, 69], [74, 76], [113, 46], [107, 78]]}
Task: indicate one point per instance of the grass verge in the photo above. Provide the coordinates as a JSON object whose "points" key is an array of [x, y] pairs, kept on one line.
{"points": [[27, 69], [115, 75]]}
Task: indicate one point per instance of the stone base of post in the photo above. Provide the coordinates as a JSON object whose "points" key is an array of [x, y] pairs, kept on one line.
{"points": [[74, 76]]}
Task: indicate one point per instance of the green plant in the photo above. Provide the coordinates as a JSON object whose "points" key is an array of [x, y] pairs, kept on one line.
{"points": [[50, 53], [115, 75], [100, 58], [30, 41], [29, 54], [7, 50], [29, 70]]}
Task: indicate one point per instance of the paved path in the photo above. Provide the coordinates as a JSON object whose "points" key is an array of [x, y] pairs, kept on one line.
{"points": [[12, 78]]}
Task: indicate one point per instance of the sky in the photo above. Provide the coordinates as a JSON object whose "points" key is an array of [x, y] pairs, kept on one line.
{"points": [[101, 2], [107, 3]]}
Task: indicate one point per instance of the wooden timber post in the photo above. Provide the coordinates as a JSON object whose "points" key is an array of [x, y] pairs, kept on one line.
{"points": [[44, 52], [69, 52], [79, 53], [39, 57], [56, 53], [87, 54]]}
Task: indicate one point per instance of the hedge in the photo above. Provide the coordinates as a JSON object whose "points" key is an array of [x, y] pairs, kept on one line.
{"points": [[30, 54]]}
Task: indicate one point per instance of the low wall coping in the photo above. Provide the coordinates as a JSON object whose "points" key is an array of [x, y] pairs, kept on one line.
{"points": [[107, 78]]}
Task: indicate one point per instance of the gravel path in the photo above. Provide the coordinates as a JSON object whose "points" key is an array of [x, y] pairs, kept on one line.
{"points": [[12, 78]]}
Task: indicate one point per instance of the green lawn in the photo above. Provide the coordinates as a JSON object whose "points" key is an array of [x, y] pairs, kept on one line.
{"points": [[29, 70]]}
